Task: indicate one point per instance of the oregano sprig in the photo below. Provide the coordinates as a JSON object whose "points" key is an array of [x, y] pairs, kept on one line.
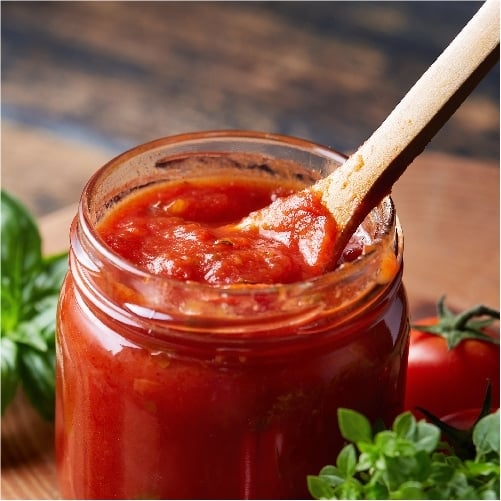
{"points": [[409, 461]]}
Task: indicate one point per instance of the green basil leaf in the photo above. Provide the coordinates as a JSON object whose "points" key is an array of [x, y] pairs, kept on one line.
{"points": [[30, 290], [37, 371], [21, 256], [42, 291], [38, 330], [9, 368], [9, 308], [28, 333], [51, 276], [44, 314]]}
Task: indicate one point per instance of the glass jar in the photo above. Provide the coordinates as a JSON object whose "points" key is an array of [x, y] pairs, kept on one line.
{"points": [[170, 389]]}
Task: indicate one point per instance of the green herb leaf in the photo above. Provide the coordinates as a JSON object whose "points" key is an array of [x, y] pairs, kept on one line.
{"points": [[427, 437], [20, 256], [347, 461], [405, 425], [354, 426], [319, 488], [10, 375], [30, 289], [37, 372], [408, 462], [486, 435]]}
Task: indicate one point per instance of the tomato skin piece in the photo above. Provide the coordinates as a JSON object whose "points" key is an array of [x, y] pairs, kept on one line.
{"points": [[445, 381]]}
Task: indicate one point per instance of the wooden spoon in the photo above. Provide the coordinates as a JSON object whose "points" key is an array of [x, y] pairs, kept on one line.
{"points": [[352, 190]]}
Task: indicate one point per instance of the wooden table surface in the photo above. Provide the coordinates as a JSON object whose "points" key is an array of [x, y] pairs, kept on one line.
{"points": [[83, 81]]}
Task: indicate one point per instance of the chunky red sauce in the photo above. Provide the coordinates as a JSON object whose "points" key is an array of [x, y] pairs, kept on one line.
{"points": [[187, 231]]}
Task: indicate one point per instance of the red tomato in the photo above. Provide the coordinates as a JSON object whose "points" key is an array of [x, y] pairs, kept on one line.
{"points": [[446, 380]]}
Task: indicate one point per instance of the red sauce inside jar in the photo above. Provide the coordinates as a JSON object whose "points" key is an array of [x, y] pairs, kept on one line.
{"points": [[245, 412], [187, 231]]}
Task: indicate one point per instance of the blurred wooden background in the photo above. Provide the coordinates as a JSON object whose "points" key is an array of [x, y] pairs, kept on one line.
{"points": [[83, 81]]}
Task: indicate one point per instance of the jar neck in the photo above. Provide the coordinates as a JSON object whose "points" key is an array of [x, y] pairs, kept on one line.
{"points": [[132, 296]]}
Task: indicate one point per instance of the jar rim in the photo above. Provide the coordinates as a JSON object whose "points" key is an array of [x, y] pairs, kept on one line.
{"points": [[388, 227]]}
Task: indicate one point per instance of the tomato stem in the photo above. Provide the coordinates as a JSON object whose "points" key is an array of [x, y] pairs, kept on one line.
{"points": [[469, 324], [477, 311]]}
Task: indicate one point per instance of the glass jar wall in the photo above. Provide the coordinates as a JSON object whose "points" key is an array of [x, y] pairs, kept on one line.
{"points": [[183, 390]]}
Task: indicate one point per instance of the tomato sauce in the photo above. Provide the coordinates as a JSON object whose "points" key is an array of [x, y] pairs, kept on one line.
{"points": [[195, 362], [187, 231]]}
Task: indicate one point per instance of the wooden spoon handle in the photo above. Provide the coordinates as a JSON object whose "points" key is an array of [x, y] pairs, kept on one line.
{"points": [[367, 176]]}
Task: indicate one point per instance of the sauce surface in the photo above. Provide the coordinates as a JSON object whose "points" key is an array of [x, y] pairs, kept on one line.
{"points": [[207, 231]]}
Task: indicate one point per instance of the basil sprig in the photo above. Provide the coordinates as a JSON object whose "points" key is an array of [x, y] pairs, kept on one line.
{"points": [[29, 295]]}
